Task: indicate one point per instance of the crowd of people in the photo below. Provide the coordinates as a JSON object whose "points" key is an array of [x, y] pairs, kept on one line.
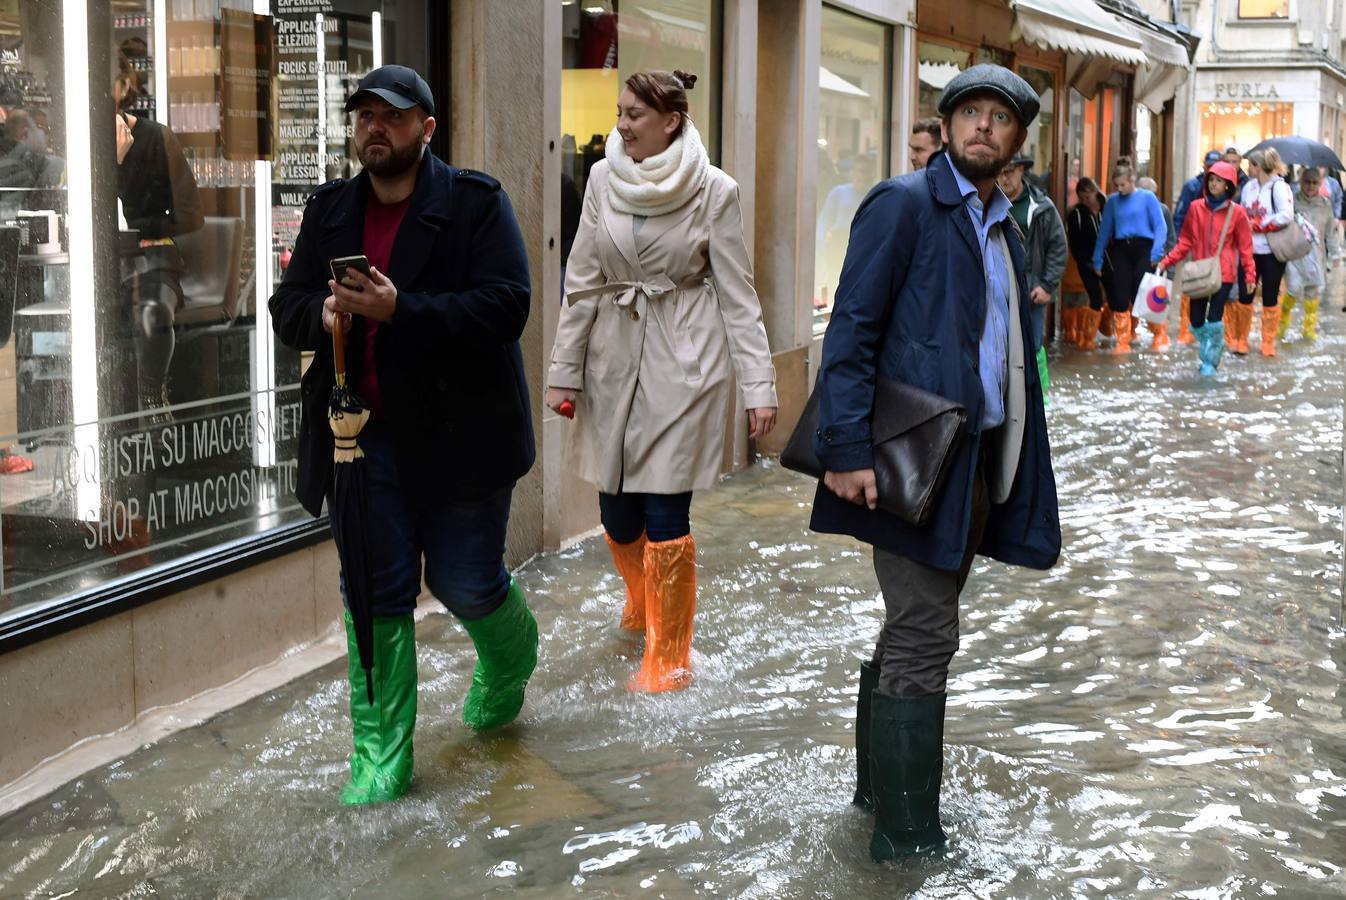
{"points": [[1275, 236]]}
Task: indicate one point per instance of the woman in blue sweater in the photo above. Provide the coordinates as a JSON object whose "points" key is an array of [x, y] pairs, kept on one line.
{"points": [[1132, 235]]}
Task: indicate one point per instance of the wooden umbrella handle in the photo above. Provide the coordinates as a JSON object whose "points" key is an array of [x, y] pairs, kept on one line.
{"points": [[339, 345]]}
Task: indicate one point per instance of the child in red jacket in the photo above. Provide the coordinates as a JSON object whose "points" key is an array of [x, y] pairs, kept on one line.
{"points": [[1200, 239]]}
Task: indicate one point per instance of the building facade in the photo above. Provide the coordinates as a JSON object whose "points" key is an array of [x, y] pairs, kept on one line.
{"points": [[151, 544], [1266, 68]]}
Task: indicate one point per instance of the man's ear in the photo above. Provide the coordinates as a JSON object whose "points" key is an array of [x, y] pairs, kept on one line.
{"points": [[429, 126]]}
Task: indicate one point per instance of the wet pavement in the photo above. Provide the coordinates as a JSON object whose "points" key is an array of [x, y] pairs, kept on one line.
{"points": [[1160, 715]]}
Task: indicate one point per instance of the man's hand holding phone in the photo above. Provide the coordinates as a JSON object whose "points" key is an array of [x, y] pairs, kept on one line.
{"points": [[360, 289]]}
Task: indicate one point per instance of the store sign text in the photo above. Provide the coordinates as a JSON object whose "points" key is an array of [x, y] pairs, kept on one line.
{"points": [[1246, 90]]}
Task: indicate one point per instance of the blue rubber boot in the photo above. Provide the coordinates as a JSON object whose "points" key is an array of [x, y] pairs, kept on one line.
{"points": [[1211, 348]]}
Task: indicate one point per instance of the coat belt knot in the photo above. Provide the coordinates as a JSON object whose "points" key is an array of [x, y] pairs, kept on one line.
{"points": [[624, 293]]}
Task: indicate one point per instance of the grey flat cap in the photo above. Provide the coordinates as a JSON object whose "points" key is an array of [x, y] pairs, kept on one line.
{"points": [[1019, 94]]}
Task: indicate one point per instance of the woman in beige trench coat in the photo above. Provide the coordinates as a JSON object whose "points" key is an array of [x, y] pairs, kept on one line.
{"points": [[659, 305]]}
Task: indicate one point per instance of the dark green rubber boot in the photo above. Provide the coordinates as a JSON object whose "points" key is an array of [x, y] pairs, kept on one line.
{"points": [[869, 680], [906, 763], [506, 643], [381, 764]]}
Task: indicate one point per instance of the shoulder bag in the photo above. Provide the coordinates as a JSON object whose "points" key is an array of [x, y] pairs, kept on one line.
{"points": [[1289, 243], [1201, 278], [916, 437]]}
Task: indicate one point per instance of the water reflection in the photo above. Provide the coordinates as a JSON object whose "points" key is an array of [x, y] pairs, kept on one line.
{"points": [[1162, 714]]}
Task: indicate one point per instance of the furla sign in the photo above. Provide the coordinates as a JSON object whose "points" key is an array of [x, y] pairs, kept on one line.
{"points": [[1245, 90]]}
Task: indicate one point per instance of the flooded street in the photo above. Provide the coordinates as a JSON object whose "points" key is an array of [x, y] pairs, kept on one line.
{"points": [[1160, 715]]}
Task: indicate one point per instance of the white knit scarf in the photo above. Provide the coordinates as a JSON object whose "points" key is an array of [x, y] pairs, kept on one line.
{"points": [[657, 184]]}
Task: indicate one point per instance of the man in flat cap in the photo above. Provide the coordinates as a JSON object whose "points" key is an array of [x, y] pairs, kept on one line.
{"points": [[432, 338], [933, 294]]}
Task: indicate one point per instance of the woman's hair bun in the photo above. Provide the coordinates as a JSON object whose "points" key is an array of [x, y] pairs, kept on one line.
{"points": [[687, 78]]}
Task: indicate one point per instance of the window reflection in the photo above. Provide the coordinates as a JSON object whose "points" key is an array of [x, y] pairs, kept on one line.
{"points": [[175, 431], [853, 139]]}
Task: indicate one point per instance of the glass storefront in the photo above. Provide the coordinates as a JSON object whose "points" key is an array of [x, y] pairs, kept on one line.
{"points": [[1040, 146], [854, 132], [149, 417], [604, 42], [1093, 139], [1244, 125], [937, 65]]}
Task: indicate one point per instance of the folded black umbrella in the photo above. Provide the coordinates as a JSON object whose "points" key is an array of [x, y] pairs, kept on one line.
{"points": [[349, 506], [1301, 151]]}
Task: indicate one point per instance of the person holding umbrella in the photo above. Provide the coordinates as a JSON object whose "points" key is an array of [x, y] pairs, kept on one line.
{"points": [[1306, 278], [660, 311], [432, 327]]}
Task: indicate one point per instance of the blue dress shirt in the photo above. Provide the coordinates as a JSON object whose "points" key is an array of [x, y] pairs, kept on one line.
{"points": [[994, 347]]}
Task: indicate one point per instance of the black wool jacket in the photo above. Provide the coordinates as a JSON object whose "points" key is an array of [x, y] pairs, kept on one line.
{"points": [[450, 369]]}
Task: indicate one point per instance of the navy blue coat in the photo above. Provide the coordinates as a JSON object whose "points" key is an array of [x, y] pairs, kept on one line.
{"points": [[911, 306], [449, 365]]}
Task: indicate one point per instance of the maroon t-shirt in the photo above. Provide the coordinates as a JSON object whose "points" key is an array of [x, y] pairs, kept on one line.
{"points": [[381, 223]]}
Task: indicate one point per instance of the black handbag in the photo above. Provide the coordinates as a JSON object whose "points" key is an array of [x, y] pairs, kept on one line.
{"points": [[916, 436]]}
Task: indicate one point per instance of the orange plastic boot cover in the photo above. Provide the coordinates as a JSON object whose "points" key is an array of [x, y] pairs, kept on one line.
{"points": [[1121, 326], [670, 605], [630, 562], [1271, 323]]}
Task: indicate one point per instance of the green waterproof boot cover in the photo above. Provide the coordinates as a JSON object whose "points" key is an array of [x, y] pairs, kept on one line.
{"points": [[869, 680], [506, 643], [381, 764], [906, 763], [1042, 373]]}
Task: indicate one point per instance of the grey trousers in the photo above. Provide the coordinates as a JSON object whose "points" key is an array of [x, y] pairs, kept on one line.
{"points": [[920, 629]]}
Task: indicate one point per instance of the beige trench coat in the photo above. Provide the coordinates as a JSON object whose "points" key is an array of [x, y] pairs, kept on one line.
{"points": [[651, 324]]}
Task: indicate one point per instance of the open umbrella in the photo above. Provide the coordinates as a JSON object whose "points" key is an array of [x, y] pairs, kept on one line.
{"points": [[1300, 151], [349, 508]]}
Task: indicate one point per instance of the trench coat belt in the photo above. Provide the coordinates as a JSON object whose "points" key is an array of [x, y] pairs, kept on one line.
{"points": [[626, 291]]}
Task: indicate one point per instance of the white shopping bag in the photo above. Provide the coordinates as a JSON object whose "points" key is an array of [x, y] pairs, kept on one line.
{"points": [[1152, 298]]}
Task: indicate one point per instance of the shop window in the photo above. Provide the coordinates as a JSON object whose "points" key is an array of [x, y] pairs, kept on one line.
{"points": [[1243, 125], [853, 138], [1264, 9], [1093, 139], [1040, 145], [149, 417], [604, 43], [936, 67]]}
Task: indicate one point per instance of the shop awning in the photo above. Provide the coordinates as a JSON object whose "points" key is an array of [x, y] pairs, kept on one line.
{"points": [[1076, 26], [831, 81]]}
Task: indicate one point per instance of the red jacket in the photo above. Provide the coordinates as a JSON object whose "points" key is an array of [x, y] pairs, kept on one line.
{"points": [[1201, 234]]}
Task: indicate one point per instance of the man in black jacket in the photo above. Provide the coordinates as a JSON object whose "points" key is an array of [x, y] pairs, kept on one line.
{"points": [[433, 345]]}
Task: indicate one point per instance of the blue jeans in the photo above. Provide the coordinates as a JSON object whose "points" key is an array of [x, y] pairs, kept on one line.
{"points": [[1037, 314], [661, 517], [462, 541]]}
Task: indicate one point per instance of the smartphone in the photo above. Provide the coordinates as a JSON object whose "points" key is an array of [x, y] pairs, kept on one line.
{"points": [[342, 263]]}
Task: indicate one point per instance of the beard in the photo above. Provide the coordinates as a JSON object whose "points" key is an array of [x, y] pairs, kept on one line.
{"points": [[393, 160], [977, 169]]}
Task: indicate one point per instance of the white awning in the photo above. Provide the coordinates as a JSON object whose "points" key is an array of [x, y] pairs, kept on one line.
{"points": [[1161, 48], [831, 81], [1076, 26]]}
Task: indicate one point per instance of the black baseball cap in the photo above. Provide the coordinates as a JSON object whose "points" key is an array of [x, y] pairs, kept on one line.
{"points": [[398, 85]]}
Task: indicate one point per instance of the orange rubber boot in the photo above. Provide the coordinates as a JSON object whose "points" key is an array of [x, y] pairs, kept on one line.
{"points": [[1135, 325], [1243, 315], [1089, 319], [1231, 325], [1160, 332], [630, 562], [1121, 326], [1105, 322], [1070, 328], [1185, 335], [1271, 323], [670, 604]]}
